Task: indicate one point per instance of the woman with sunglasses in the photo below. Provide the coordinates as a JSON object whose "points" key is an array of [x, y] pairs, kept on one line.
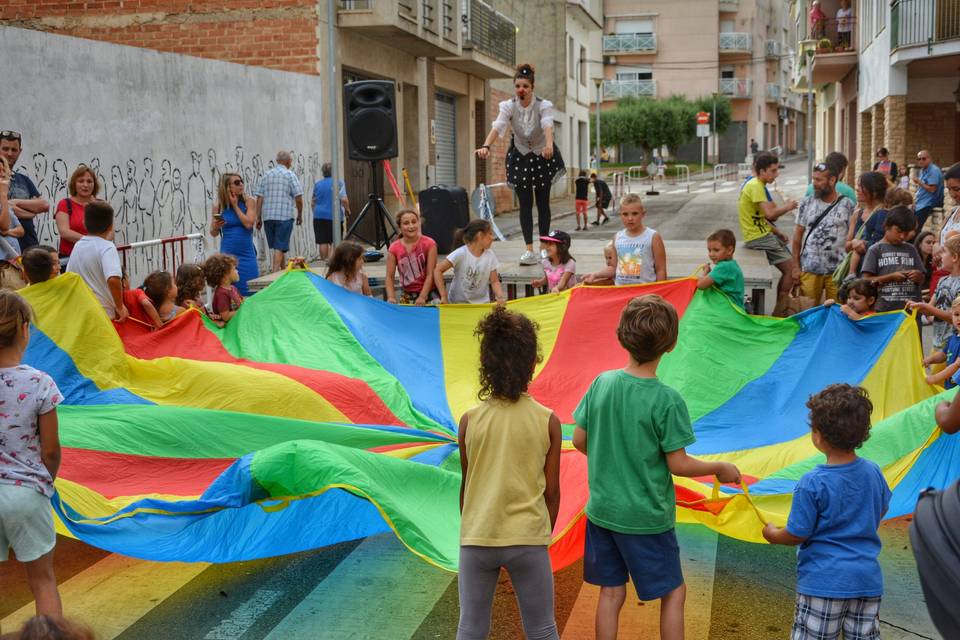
{"points": [[233, 220]]}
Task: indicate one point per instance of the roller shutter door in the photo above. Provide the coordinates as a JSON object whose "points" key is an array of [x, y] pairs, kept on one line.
{"points": [[445, 118]]}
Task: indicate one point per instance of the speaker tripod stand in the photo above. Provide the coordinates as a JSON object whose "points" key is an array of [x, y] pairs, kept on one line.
{"points": [[378, 209]]}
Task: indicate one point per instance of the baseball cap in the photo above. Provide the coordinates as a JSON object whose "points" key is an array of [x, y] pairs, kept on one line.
{"points": [[560, 237]]}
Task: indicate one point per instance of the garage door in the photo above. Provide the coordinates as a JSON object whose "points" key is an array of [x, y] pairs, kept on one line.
{"points": [[446, 128]]}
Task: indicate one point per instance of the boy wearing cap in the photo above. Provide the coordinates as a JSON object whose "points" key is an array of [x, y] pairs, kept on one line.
{"points": [[559, 268]]}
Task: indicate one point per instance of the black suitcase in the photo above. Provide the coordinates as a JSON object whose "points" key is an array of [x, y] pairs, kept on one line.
{"points": [[443, 210]]}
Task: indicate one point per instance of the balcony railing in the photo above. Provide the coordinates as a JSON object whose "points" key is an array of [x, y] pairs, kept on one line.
{"points": [[491, 33], [922, 22], [630, 43], [773, 48], [773, 92], [729, 5], [615, 89], [733, 42], [835, 36], [736, 87]]}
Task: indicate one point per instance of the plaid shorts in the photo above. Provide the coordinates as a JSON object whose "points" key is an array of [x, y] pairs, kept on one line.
{"points": [[824, 618]]}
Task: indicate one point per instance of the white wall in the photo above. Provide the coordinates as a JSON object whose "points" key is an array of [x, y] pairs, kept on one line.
{"points": [[158, 129]]}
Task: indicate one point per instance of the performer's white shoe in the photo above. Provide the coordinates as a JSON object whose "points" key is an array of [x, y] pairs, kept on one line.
{"points": [[528, 258]]}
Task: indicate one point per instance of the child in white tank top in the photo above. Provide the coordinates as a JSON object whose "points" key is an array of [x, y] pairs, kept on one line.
{"points": [[641, 256]]}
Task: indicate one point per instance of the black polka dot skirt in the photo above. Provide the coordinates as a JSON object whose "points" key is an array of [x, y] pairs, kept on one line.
{"points": [[532, 171]]}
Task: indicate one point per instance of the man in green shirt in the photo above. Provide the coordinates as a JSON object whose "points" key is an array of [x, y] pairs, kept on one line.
{"points": [[757, 216]]}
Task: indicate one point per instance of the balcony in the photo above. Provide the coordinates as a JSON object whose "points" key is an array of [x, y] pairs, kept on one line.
{"points": [[729, 6], [424, 28], [616, 89], [836, 50], [773, 92], [773, 49], [737, 88], [923, 22], [489, 43], [735, 43], [630, 43]]}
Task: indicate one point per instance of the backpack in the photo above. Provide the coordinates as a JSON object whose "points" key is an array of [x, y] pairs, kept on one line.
{"points": [[935, 538]]}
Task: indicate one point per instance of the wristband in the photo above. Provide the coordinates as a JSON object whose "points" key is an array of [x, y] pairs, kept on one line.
{"points": [[485, 146]]}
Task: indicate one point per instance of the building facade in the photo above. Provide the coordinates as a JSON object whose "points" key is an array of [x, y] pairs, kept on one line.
{"points": [[736, 48], [440, 53], [895, 83]]}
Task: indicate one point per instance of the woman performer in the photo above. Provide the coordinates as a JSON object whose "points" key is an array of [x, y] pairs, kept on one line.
{"points": [[533, 160]]}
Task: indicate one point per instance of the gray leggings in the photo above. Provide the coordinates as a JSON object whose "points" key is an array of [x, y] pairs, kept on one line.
{"points": [[532, 577]]}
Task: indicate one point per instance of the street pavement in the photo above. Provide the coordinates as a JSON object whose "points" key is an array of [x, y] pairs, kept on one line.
{"points": [[374, 588]]}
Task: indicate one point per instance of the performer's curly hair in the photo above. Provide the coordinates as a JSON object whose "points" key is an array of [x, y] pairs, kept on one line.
{"points": [[509, 352], [525, 71]]}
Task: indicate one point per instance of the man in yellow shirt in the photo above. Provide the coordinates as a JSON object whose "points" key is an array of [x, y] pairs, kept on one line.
{"points": [[757, 216]]}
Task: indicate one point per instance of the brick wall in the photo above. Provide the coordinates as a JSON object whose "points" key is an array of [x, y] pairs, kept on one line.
{"points": [[932, 126], [498, 152], [277, 34]]}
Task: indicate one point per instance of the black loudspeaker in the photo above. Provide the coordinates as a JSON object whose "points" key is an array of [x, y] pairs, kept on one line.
{"points": [[444, 210], [370, 119]]}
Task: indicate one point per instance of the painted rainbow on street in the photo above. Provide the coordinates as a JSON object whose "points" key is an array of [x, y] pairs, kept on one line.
{"points": [[318, 416]]}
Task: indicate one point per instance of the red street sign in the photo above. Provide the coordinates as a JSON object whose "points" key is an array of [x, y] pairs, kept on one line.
{"points": [[703, 118]]}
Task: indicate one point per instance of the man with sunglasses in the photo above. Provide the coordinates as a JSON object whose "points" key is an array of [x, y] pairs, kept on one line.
{"points": [[929, 188], [25, 199]]}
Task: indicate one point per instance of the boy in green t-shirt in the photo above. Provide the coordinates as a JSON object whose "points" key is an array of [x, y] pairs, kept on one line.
{"points": [[725, 273], [633, 430]]}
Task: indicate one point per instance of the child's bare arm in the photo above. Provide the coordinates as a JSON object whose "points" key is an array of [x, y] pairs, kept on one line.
{"points": [[935, 358], [681, 464], [944, 374], [49, 441], [948, 416], [564, 280], [779, 535], [497, 288], [705, 282], [659, 257], [428, 281], [366, 286], [438, 272], [551, 471], [580, 440], [388, 281], [116, 290], [151, 312], [462, 445]]}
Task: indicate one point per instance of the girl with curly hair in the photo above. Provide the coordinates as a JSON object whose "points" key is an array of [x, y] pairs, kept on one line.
{"points": [[510, 493], [221, 272]]}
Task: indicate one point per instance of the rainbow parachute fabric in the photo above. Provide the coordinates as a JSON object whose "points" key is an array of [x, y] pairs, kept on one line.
{"points": [[318, 416]]}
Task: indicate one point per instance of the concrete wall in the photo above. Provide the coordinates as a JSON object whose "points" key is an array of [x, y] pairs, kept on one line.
{"points": [[158, 129]]}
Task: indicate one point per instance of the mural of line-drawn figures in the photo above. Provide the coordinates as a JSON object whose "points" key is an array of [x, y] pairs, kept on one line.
{"points": [[197, 198], [163, 213], [178, 204], [116, 201], [147, 201], [159, 197]]}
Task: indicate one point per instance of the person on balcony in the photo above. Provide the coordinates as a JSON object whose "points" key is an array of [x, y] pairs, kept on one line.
{"points": [[533, 160], [818, 21], [844, 25]]}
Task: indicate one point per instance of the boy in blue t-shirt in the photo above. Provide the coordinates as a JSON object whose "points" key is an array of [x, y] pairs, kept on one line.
{"points": [[836, 510], [949, 374], [725, 273], [633, 430]]}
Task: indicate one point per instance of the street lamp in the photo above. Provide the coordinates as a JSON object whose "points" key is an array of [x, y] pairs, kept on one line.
{"points": [[599, 83]]}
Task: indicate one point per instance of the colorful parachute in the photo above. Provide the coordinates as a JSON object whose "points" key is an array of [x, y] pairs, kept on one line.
{"points": [[318, 416]]}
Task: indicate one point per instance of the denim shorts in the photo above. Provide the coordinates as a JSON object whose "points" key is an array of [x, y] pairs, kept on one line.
{"points": [[652, 561], [278, 233], [26, 523]]}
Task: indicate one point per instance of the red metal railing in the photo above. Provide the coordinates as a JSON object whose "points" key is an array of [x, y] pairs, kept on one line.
{"points": [[167, 245]]}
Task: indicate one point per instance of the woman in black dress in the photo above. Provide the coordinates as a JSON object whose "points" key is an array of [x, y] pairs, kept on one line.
{"points": [[533, 160]]}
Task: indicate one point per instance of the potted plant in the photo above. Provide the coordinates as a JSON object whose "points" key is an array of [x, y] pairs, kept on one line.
{"points": [[824, 45]]}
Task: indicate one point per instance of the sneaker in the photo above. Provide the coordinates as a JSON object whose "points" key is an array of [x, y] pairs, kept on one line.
{"points": [[528, 258]]}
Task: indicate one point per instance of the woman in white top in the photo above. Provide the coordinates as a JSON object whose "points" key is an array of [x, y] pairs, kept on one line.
{"points": [[533, 160]]}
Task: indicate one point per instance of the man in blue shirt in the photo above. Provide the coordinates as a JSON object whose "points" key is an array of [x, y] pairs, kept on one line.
{"points": [[929, 188], [25, 199], [323, 210]]}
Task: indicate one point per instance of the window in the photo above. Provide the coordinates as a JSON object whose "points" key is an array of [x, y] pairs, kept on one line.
{"points": [[727, 72], [640, 72], [644, 27], [728, 26], [583, 66], [570, 53]]}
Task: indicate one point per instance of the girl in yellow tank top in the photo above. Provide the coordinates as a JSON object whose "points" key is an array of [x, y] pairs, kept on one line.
{"points": [[510, 493]]}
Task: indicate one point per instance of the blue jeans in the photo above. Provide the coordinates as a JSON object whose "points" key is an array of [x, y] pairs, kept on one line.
{"points": [[278, 233]]}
